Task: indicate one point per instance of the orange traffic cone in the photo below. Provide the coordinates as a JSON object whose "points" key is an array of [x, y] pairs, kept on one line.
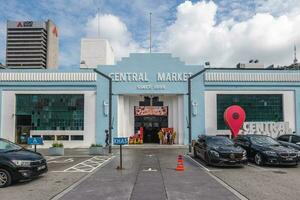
{"points": [[180, 166]]}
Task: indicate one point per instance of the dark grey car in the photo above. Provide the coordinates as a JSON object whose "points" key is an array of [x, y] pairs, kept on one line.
{"points": [[290, 140]]}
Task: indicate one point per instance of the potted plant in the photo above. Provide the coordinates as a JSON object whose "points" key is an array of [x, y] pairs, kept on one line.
{"points": [[96, 149], [57, 149]]}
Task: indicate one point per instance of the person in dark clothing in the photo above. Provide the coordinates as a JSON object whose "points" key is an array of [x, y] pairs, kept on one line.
{"points": [[106, 137], [168, 137]]}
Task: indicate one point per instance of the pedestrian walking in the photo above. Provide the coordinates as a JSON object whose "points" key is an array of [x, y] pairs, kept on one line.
{"points": [[106, 137]]}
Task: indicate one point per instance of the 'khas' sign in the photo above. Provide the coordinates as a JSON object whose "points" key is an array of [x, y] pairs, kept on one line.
{"points": [[120, 140], [273, 129]]}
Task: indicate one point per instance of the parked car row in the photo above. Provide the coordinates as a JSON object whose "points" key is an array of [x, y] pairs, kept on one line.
{"points": [[17, 163], [290, 140], [261, 149]]}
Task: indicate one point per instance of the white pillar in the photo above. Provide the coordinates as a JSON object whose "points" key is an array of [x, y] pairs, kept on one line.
{"points": [[181, 118]]}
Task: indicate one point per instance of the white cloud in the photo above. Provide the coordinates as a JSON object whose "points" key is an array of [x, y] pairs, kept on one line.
{"points": [[114, 30], [243, 30], [278, 7], [196, 37]]}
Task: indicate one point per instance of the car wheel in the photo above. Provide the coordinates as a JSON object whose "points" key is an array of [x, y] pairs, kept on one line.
{"points": [[5, 178], [258, 159]]}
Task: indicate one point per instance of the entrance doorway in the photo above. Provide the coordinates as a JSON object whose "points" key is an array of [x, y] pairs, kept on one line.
{"points": [[151, 115], [23, 127], [154, 112], [151, 126]]}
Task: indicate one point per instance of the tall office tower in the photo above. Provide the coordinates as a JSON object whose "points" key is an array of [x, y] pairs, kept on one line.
{"points": [[96, 52], [32, 44]]}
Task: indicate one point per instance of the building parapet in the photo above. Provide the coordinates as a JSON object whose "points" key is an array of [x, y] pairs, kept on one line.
{"points": [[252, 76], [47, 77]]}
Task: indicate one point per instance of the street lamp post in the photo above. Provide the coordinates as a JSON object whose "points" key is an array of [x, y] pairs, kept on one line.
{"points": [[190, 106], [109, 106]]}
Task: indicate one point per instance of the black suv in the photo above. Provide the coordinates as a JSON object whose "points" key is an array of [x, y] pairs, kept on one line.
{"points": [[220, 151], [263, 149], [17, 163]]}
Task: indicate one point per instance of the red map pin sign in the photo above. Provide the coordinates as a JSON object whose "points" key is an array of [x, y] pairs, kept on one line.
{"points": [[234, 117]]}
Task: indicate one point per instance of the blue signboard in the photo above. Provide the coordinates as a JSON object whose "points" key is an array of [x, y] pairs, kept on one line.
{"points": [[35, 141], [120, 141]]}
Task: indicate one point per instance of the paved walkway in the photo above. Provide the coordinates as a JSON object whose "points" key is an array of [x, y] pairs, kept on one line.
{"points": [[149, 174]]}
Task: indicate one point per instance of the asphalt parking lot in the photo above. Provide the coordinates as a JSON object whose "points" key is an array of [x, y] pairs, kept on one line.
{"points": [[62, 173], [255, 182], [150, 173]]}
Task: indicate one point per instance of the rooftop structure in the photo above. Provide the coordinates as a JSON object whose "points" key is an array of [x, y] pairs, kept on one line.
{"points": [[95, 52]]}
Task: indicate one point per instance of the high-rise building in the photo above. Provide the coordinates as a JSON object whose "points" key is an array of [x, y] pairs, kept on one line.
{"points": [[32, 44], [96, 52]]}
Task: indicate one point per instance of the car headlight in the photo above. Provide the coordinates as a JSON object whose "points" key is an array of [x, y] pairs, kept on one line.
{"points": [[244, 153], [214, 153], [22, 163], [270, 153]]}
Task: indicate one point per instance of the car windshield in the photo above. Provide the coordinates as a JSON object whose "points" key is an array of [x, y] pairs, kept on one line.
{"points": [[263, 140], [8, 146], [219, 141]]}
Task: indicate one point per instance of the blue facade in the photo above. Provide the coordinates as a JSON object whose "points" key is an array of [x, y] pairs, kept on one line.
{"points": [[158, 74], [148, 66]]}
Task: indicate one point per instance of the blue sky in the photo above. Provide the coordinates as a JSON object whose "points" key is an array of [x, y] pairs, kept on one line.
{"points": [[74, 19]]}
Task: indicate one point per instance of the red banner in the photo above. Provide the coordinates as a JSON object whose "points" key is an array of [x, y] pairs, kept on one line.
{"points": [[169, 130], [151, 111]]}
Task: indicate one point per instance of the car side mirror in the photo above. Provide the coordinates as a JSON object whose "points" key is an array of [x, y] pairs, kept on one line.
{"points": [[297, 143]]}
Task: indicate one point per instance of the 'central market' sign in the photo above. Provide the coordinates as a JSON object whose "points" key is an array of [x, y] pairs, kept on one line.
{"points": [[273, 129], [143, 76]]}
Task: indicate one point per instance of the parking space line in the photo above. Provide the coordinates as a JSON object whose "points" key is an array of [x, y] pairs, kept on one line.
{"points": [[228, 187], [72, 156], [69, 160], [48, 158], [90, 161], [88, 165], [223, 183], [258, 167], [202, 166], [74, 185]]}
